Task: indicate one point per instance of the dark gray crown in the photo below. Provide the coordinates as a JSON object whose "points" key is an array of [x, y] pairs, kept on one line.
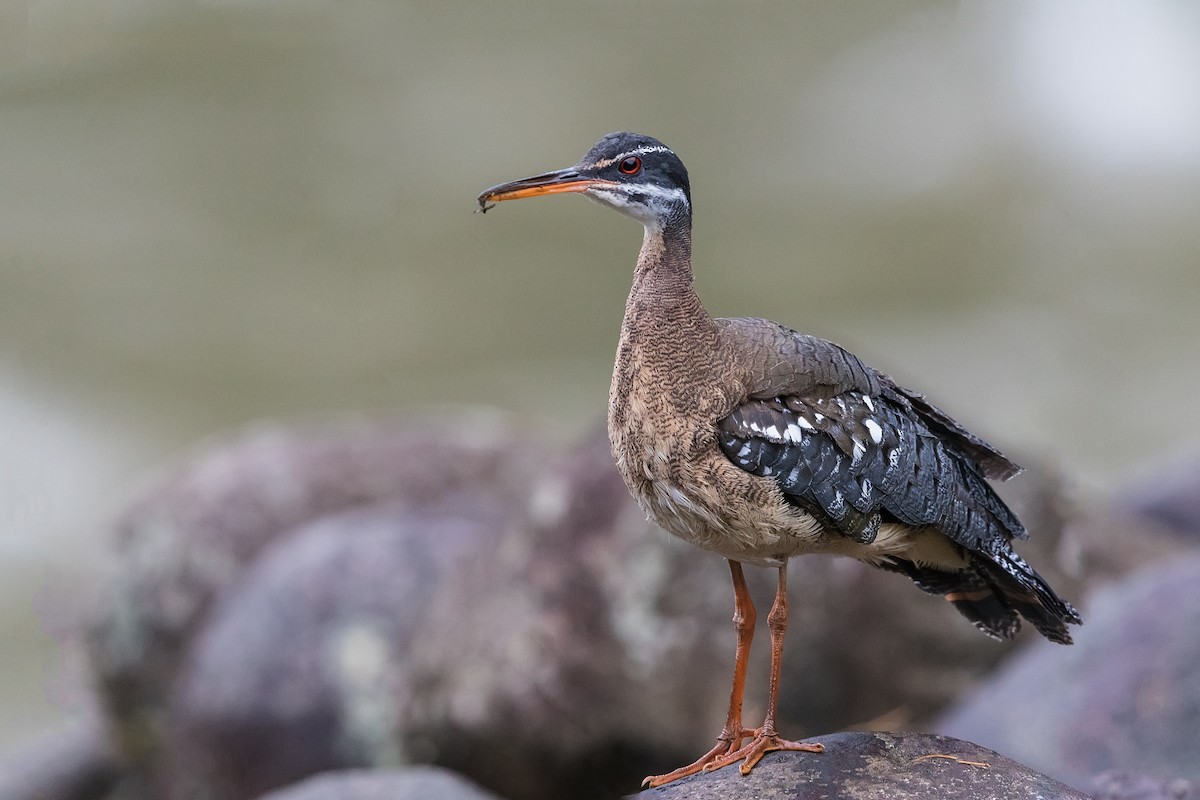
{"points": [[660, 166]]}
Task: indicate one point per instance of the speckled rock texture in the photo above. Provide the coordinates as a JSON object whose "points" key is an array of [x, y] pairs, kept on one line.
{"points": [[460, 592], [300, 601], [309, 661], [1126, 696], [414, 783], [874, 766]]}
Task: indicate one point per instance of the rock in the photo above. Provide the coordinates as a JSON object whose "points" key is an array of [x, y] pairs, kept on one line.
{"points": [[1170, 497], [559, 606], [1105, 543], [306, 665], [561, 613], [191, 535], [509, 613], [414, 783], [1126, 696], [882, 766], [509, 647], [1116, 785], [73, 764]]}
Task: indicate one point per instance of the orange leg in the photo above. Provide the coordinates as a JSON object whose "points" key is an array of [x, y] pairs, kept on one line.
{"points": [[731, 736], [767, 738]]}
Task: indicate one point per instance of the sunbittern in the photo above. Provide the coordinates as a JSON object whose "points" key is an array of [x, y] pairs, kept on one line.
{"points": [[760, 443]]}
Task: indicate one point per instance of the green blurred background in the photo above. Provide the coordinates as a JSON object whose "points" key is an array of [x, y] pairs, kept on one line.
{"points": [[216, 212]]}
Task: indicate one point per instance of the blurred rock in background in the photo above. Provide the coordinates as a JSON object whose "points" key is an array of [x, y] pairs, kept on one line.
{"points": [[1126, 696], [1118, 785], [457, 591], [1170, 496], [414, 783], [77, 763]]}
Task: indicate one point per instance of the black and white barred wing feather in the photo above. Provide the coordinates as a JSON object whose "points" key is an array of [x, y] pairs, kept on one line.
{"points": [[863, 457]]}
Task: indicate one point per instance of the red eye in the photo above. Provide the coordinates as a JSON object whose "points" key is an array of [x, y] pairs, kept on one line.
{"points": [[630, 165]]}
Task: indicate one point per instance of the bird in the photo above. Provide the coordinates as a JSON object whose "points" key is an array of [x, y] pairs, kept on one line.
{"points": [[761, 444]]}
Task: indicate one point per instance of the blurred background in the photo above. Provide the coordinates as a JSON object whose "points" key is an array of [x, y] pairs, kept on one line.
{"points": [[218, 212]]}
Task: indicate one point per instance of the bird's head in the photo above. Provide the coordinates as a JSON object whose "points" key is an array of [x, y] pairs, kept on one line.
{"points": [[637, 175]]}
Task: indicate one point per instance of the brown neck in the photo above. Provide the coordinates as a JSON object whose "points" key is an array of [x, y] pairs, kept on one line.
{"points": [[664, 319], [663, 291], [667, 366]]}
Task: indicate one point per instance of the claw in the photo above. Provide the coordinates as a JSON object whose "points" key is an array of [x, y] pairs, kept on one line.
{"points": [[728, 750], [726, 743], [762, 744]]}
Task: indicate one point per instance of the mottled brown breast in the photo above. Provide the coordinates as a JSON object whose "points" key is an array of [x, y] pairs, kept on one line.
{"points": [[664, 404]]}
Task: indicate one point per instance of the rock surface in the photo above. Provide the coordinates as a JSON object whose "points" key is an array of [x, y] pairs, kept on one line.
{"points": [[192, 535], [414, 783], [1116, 785], [1126, 696], [874, 766], [376, 595], [307, 664], [1170, 497], [74, 764]]}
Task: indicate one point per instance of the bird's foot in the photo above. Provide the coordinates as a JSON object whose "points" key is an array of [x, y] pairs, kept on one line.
{"points": [[764, 741], [726, 743]]}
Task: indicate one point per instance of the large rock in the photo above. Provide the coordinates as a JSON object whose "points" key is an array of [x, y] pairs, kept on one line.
{"points": [[875, 766], [308, 663], [192, 535], [519, 648], [1126, 696], [467, 595], [414, 783], [1170, 497], [77, 763], [1117, 785], [513, 595]]}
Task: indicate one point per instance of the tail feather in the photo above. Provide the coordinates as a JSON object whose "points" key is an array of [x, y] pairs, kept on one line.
{"points": [[987, 611], [1026, 592], [991, 596]]}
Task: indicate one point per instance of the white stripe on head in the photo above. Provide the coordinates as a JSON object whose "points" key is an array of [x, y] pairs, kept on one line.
{"points": [[672, 194], [639, 151]]}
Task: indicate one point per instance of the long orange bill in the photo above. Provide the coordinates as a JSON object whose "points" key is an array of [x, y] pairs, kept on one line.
{"points": [[557, 182]]}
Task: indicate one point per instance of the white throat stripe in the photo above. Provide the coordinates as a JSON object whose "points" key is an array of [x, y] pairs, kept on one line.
{"points": [[650, 190]]}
